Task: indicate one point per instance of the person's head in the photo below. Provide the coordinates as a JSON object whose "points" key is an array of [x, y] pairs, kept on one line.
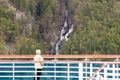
{"points": [[38, 51]]}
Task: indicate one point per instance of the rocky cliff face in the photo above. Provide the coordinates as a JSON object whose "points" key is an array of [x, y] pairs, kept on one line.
{"points": [[19, 16], [41, 21]]}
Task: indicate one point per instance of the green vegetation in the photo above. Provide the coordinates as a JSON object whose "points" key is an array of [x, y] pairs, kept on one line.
{"points": [[96, 26]]}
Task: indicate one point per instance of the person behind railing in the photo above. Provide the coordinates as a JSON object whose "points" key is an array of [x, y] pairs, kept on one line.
{"points": [[38, 62]]}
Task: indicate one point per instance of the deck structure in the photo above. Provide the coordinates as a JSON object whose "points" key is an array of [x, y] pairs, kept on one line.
{"points": [[62, 67]]}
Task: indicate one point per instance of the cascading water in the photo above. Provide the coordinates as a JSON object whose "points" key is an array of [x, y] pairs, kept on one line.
{"points": [[64, 33]]}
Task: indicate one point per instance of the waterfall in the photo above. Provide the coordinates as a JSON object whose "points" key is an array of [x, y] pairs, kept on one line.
{"points": [[65, 31]]}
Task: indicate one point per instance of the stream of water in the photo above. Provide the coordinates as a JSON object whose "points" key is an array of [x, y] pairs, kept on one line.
{"points": [[65, 31]]}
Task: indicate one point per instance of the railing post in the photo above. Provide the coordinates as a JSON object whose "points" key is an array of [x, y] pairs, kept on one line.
{"points": [[86, 72], [35, 74], [68, 68], [80, 71], [105, 72], [13, 71], [113, 69], [91, 69], [117, 72], [55, 70], [97, 76]]}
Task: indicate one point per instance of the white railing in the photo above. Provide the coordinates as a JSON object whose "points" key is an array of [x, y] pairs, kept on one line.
{"points": [[61, 70]]}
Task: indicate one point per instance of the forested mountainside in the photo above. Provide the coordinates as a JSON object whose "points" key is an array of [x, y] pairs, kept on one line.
{"points": [[26, 25]]}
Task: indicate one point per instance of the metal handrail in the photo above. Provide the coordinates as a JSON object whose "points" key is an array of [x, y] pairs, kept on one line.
{"points": [[97, 56]]}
